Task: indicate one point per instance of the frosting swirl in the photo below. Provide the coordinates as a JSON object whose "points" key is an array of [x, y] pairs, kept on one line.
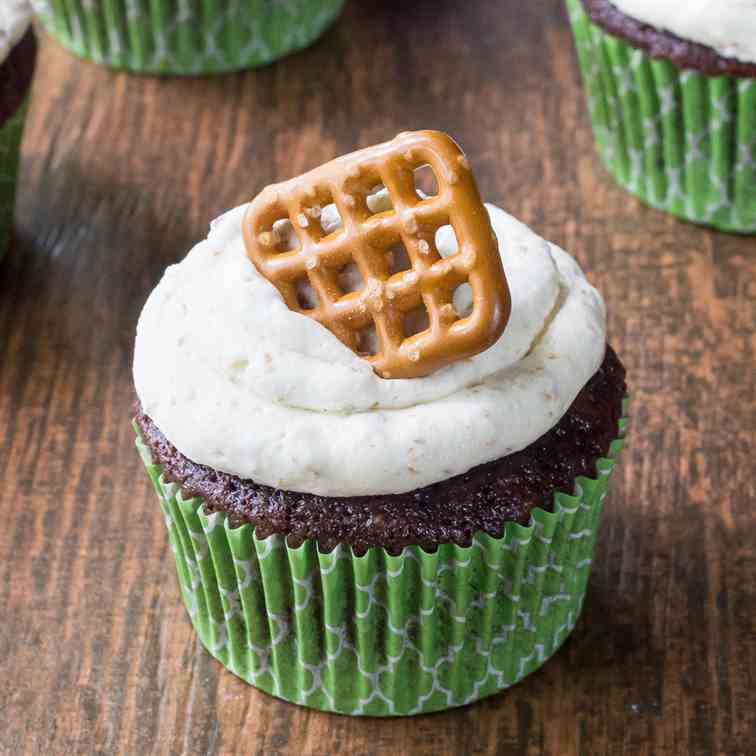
{"points": [[727, 26], [15, 17], [238, 382]]}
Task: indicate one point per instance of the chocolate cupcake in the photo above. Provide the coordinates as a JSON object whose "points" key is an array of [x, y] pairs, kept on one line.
{"points": [[191, 37], [17, 58], [672, 96], [369, 545]]}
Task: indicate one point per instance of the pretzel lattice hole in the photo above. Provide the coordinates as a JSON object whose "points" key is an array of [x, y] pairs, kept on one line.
{"points": [[367, 341], [462, 300], [426, 183], [378, 200], [282, 237], [350, 279], [416, 321], [329, 219], [446, 241], [398, 259], [307, 297]]}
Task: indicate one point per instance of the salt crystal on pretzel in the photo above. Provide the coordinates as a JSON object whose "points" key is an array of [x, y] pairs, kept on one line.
{"points": [[338, 216]]}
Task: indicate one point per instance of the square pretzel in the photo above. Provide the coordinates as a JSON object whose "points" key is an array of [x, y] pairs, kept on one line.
{"points": [[316, 256]]}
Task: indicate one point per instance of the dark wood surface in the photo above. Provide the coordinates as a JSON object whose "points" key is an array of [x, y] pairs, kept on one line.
{"points": [[122, 174]]}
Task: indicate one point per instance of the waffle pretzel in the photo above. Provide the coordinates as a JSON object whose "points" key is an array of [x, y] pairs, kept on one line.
{"points": [[308, 265]]}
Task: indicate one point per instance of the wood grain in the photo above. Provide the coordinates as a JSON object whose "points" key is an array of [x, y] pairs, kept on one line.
{"points": [[122, 174]]}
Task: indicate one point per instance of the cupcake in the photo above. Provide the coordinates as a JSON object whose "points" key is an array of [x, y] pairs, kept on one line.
{"points": [[372, 545], [672, 96], [191, 37], [17, 57]]}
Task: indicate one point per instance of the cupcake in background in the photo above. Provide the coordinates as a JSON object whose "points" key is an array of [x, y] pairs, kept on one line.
{"points": [[363, 544], [671, 90], [17, 57], [192, 37]]}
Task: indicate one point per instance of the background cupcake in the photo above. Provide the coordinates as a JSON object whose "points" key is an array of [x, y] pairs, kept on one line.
{"points": [[192, 37], [17, 56], [672, 97], [373, 546]]}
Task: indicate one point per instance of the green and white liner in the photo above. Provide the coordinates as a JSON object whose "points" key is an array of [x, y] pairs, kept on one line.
{"points": [[186, 36], [385, 635], [679, 140]]}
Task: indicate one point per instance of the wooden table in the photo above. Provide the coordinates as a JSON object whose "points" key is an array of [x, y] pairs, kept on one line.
{"points": [[122, 174]]}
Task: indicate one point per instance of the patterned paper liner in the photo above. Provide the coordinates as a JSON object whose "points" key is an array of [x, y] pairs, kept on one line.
{"points": [[385, 635], [11, 133], [186, 36], [677, 139]]}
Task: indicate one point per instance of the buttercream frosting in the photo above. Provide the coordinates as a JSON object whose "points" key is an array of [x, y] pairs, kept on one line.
{"points": [[15, 17], [238, 382], [727, 26]]}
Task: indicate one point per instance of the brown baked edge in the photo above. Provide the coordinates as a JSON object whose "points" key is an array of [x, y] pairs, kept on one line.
{"points": [[16, 73], [451, 511], [663, 44]]}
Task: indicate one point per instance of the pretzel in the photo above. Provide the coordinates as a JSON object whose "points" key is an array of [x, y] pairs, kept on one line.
{"points": [[311, 265]]}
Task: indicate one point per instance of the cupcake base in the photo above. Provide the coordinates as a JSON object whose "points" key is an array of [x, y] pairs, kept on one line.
{"points": [[377, 634], [11, 133], [190, 38], [677, 139], [15, 80]]}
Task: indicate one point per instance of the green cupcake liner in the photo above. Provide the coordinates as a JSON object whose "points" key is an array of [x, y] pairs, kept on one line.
{"points": [[186, 36], [677, 139], [11, 133], [385, 635]]}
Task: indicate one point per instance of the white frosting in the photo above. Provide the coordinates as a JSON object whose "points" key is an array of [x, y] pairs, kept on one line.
{"points": [[729, 26], [15, 17], [237, 381]]}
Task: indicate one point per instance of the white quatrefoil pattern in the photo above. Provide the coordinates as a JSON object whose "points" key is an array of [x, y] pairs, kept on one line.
{"points": [[679, 140], [385, 635], [186, 36], [10, 145]]}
